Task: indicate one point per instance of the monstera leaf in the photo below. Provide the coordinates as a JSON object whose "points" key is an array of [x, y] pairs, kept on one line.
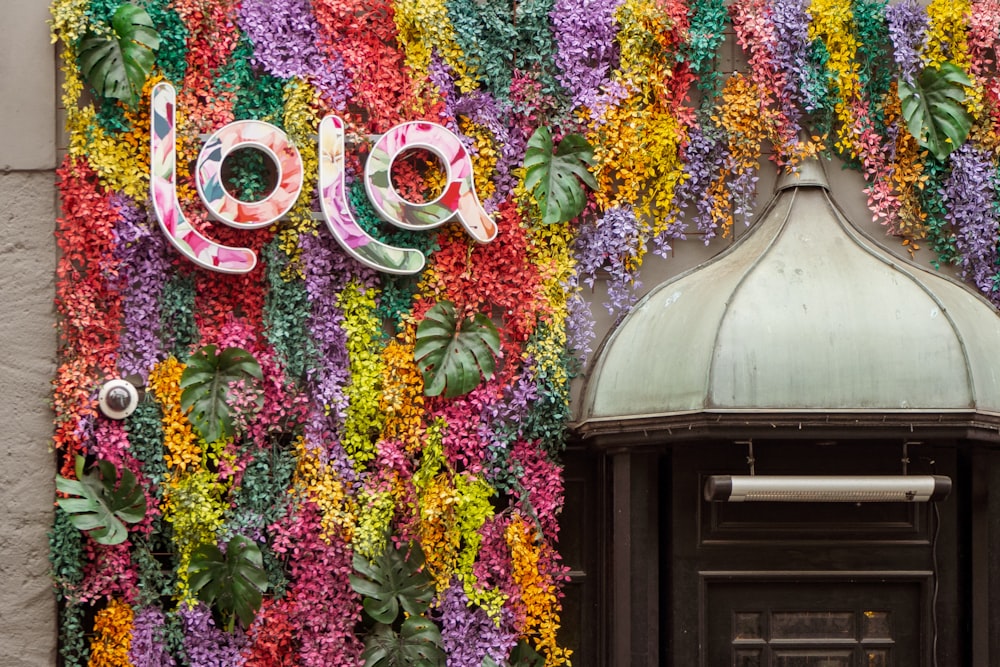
{"points": [[205, 384], [452, 354], [934, 109], [233, 582], [391, 581], [102, 501], [418, 644], [553, 175], [117, 63]]}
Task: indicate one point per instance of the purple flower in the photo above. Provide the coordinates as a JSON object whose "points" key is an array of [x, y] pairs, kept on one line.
{"points": [[284, 33], [206, 645], [148, 648], [468, 634], [611, 245], [804, 83], [443, 77], [587, 53], [327, 270], [907, 28], [704, 156], [144, 266], [969, 196], [579, 326]]}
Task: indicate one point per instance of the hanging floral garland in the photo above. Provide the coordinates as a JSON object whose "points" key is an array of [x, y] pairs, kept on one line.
{"points": [[299, 485]]}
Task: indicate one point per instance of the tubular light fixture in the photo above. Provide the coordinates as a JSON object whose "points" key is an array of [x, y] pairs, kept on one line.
{"points": [[827, 488]]}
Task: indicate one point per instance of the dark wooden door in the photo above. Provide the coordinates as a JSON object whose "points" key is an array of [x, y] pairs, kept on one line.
{"points": [[831, 621], [807, 584]]}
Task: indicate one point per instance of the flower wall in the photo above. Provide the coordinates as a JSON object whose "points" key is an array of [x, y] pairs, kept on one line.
{"points": [[337, 451]]}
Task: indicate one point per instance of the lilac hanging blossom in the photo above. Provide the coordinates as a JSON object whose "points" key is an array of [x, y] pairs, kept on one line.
{"points": [[511, 139], [612, 244], [443, 77], [144, 266], [206, 645], [584, 32], [324, 279], [579, 326], [327, 271], [468, 634], [704, 156], [969, 196], [503, 420], [804, 83], [283, 36], [908, 24], [148, 648], [744, 194], [483, 109]]}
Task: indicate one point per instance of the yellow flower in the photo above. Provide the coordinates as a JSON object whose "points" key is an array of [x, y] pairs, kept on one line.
{"points": [[833, 23], [319, 482], [948, 33], [538, 594], [182, 447], [402, 398], [364, 333], [112, 638], [195, 505], [301, 123], [423, 27]]}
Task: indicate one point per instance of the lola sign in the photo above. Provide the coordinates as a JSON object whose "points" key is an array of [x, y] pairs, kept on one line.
{"points": [[457, 200]]}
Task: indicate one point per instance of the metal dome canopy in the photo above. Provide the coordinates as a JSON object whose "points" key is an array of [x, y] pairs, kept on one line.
{"points": [[804, 323]]}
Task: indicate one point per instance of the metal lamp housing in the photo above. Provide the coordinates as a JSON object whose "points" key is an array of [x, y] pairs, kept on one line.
{"points": [[827, 488]]}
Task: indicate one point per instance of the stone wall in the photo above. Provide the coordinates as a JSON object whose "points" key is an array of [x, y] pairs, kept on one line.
{"points": [[27, 336]]}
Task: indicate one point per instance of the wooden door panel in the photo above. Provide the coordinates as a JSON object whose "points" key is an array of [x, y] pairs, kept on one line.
{"points": [[836, 620]]}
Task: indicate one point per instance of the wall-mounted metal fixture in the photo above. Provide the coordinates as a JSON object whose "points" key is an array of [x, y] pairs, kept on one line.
{"points": [[118, 398], [827, 488]]}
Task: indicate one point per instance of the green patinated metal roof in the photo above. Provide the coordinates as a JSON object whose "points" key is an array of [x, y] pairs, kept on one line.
{"points": [[804, 315]]}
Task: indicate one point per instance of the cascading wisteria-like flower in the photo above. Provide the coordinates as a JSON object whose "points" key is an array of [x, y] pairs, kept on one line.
{"points": [[610, 244], [285, 35], [148, 646], [207, 645], [795, 55], [468, 634], [907, 28], [588, 51], [970, 195], [142, 251]]}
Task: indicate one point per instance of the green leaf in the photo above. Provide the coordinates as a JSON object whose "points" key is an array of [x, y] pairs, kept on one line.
{"points": [[391, 581], [934, 108], [418, 644], [205, 384], [452, 354], [553, 175], [117, 64], [525, 656], [233, 582], [102, 501]]}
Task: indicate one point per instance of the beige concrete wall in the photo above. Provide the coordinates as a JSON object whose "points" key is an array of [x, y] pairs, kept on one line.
{"points": [[27, 336]]}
